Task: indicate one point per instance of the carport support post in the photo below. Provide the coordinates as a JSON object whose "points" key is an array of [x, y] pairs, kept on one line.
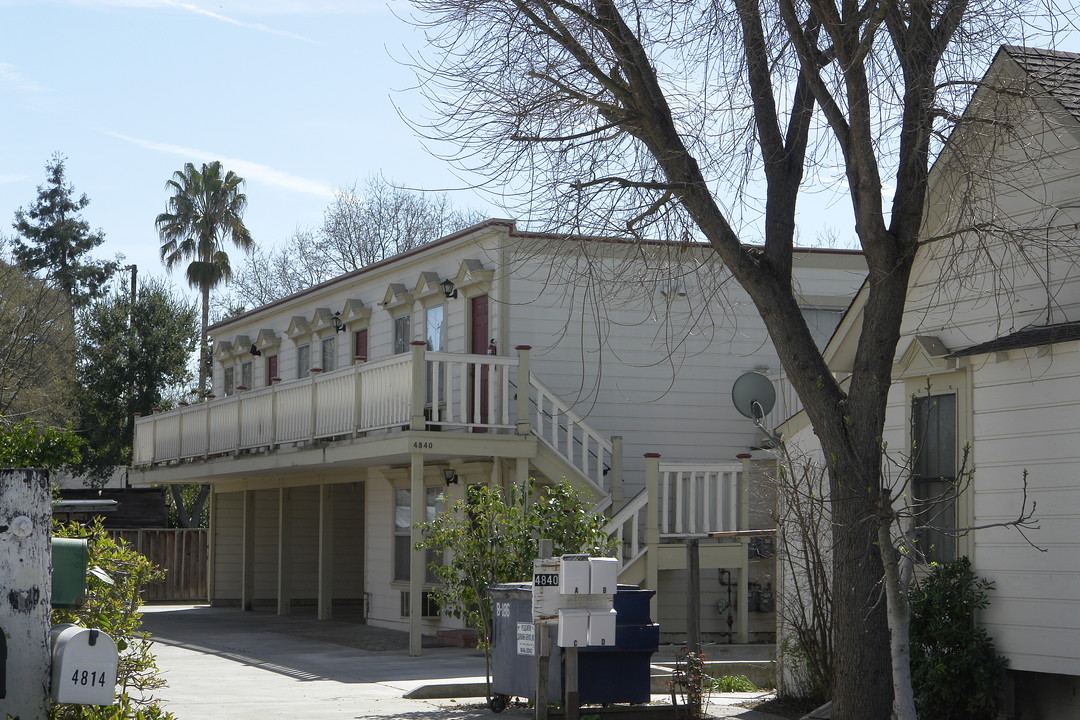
{"points": [[247, 572], [25, 559], [326, 551], [284, 550], [416, 557]]}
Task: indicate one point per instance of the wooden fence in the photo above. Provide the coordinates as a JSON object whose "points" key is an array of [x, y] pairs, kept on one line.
{"points": [[183, 553]]}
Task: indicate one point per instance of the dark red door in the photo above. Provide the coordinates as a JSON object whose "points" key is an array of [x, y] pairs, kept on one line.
{"points": [[481, 342]]}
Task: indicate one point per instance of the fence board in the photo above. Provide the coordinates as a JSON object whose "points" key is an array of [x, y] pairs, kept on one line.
{"points": [[183, 553]]}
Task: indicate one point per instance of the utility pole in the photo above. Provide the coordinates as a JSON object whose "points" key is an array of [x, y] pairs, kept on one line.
{"points": [[25, 592]]}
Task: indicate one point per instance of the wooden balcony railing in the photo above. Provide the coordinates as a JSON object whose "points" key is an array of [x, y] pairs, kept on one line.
{"points": [[420, 389], [689, 500]]}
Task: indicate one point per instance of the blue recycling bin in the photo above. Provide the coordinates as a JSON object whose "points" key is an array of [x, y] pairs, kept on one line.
{"points": [[618, 673]]}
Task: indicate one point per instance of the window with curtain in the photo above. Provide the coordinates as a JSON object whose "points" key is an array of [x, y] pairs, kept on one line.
{"points": [[329, 353], [402, 333], [402, 530], [933, 474], [303, 361]]}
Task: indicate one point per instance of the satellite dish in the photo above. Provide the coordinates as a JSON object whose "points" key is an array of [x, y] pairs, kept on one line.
{"points": [[753, 395]]}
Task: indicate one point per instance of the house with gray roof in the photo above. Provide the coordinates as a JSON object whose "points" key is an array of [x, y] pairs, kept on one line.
{"points": [[987, 372]]}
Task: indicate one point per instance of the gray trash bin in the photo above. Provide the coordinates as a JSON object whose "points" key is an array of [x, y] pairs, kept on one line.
{"points": [[615, 674]]}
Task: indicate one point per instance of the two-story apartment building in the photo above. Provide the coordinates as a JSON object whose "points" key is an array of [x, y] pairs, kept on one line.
{"points": [[347, 412]]}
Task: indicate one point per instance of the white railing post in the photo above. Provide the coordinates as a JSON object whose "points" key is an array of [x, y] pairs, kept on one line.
{"points": [[358, 399], [742, 486], [524, 385], [618, 493], [314, 400], [652, 527], [416, 419], [274, 413], [209, 427]]}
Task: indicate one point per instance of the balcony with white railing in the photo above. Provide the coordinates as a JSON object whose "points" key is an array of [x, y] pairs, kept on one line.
{"points": [[419, 390], [684, 501]]}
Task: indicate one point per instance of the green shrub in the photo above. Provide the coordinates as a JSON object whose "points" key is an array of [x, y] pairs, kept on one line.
{"points": [[955, 671], [732, 684], [114, 609]]}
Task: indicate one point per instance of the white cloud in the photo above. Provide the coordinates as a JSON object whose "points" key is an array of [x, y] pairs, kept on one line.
{"points": [[250, 171], [192, 8], [11, 77], [4, 179]]}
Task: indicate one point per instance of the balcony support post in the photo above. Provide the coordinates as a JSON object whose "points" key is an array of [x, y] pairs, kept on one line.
{"points": [[326, 551], [284, 552], [419, 380], [742, 614], [416, 557], [247, 581]]}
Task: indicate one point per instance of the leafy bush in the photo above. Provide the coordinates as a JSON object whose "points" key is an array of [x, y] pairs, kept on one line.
{"points": [[491, 538], [114, 609], [955, 671]]}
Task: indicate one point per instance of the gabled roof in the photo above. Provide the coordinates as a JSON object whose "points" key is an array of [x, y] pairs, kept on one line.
{"points": [[1028, 337], [1055, 71]]}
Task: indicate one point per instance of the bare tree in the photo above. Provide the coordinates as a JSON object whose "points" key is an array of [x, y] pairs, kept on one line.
{"points": [[362, 225], [37, 349], [702, 119]]}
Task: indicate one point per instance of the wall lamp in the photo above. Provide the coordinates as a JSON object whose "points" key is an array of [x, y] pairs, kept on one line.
{"points": [[336, 319], [448, 288], [450, 476], [255, 350]]}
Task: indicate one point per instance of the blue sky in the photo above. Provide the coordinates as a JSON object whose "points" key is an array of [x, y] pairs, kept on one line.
{"points": [[296, 96]]}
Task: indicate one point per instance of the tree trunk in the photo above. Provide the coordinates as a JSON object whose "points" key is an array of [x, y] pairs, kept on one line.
{"points": [[862, 678], [204, 353], [899, 615], [189, 517]]}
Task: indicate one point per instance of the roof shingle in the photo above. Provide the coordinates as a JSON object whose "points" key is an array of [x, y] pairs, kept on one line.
{"points": [[1056, 71]]}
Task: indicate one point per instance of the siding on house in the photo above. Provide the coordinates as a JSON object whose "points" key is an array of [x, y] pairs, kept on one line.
{"points": [[1019, 407]]}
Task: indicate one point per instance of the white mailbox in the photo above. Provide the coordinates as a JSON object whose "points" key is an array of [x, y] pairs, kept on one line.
{"points": [[84, 664], [574, 575], [603, 575], [573, 628], [602, 627]]}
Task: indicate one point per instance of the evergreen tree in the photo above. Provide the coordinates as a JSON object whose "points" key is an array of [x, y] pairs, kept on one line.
{"points": [[54, 239], [131, 360]]}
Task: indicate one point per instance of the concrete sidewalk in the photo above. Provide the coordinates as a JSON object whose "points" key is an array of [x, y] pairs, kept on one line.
{"points": [[226, 664]]}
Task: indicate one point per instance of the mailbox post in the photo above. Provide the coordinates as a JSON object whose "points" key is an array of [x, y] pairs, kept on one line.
{"points": [[574, 592], [25, 525]]}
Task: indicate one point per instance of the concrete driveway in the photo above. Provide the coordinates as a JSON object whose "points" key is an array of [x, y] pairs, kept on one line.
{"points": [[226, 664]]}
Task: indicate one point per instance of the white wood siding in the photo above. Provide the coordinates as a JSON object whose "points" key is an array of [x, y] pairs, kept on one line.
{"points": [[655, 369], [227, 545], [1027, 417]]}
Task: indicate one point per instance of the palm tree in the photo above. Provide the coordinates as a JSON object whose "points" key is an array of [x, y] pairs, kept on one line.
{"points": [[203, 213]]}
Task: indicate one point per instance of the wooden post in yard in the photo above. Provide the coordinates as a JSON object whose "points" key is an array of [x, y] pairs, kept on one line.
{"points": [[26, 586], [693, 597]]}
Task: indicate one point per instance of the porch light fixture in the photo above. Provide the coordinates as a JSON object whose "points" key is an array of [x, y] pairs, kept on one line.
{"points": [[450, 476], [336, 319], [255, 350], [448, 288]]}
